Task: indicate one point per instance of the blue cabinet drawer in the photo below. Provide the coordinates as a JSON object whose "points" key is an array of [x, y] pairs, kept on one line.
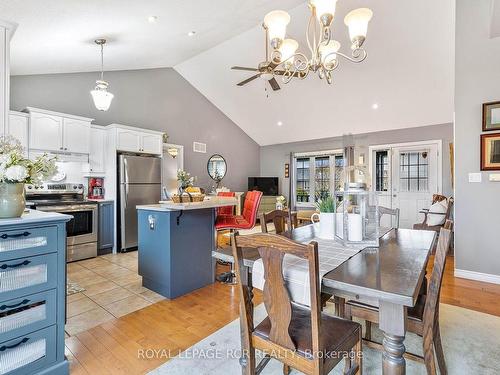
{"points": [[28, 353], [19, 277], [26, 314], [27, 242]]}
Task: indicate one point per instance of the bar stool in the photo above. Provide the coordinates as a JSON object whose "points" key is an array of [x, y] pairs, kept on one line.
{"points": [[237, 222]]}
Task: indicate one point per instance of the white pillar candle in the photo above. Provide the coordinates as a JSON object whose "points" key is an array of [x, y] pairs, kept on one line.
{"points": [[355, 230]]}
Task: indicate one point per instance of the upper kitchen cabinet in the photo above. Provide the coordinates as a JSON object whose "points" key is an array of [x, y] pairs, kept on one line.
{"points": [[18, 126], [137, 140], [58, 132], [97, 150]]}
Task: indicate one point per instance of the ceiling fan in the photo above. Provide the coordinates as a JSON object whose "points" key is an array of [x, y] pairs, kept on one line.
{"points": [[266, 70]]}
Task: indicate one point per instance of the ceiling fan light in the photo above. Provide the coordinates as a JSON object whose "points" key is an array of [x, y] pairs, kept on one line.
{"points": [[288, 49], [325, 10], [328, 52], [102, 98], [276, 23], [357, 21]]}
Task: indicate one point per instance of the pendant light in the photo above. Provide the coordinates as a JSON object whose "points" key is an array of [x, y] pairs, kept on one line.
{"points": [[102, 98]]}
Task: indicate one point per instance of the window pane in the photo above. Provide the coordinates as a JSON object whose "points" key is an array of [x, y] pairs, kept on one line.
{"points": [[322, 177], [413, 172], [381, 170], [302, 181]]}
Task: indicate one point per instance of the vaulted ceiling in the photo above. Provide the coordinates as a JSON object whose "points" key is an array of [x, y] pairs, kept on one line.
{"points": [[409, 71]]}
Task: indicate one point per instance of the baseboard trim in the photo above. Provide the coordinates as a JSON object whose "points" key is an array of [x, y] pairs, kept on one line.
{"points": [[478, 276]]}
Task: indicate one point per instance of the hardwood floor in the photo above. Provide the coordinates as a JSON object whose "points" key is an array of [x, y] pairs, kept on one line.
{"points": [[143, 340]]}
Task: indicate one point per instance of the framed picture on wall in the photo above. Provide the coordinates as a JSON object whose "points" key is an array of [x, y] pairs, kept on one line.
{"points": [[491, 116], [490, 152]]}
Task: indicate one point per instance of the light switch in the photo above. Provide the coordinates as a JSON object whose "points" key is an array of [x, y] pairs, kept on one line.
{"points": [[475, 177], [495, 177]]}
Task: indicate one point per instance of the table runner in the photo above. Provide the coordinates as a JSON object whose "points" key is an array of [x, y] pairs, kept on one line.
{"points": [[296, 270]]}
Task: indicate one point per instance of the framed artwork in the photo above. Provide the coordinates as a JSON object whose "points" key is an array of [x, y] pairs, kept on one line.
{"points": [[490, 152], [491, 116]]}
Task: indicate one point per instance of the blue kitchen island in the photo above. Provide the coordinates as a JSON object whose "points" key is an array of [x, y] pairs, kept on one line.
{"points": [[176, 241]]}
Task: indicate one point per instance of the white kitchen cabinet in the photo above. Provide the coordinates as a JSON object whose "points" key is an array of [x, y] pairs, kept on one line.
{"points": [[97, 150], [54, 131], [76, 135], [128, 140], [17, 127], [138, 141], [46, 132], [152, 143]]}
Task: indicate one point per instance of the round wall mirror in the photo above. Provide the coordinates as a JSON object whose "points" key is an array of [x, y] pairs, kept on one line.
{"points": [[217, 167]]}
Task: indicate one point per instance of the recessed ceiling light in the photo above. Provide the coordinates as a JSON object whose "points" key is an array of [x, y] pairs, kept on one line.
{"points": [[152, 19], [375, 106], [279, 123], [191, 33]]}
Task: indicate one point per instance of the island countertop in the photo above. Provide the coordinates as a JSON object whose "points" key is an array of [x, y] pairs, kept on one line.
{"points": [[207, 203], [34, 216]]}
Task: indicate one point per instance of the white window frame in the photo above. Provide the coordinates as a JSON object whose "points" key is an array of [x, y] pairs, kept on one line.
{"points": [[312, 173]]}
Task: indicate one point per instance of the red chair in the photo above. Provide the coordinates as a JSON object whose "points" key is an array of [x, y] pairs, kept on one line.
{"points": [[234, 222], [227, 210]]}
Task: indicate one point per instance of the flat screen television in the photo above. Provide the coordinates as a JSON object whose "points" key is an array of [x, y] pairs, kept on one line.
{"points": [[268, 185]]}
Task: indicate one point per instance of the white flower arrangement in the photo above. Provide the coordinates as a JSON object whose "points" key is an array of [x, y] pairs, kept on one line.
{"points": [[185, 179], [16, 168]]}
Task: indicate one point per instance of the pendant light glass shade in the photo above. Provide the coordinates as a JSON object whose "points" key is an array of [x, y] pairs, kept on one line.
{"points": [[357, 21], [276, 23], [102, 98], [288, 49], [325, 10], [328, 52]]}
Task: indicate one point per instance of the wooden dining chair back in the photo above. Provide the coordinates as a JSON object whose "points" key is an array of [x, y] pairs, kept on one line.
{"points": [[282, 221], [288, 328], [393, 212]]}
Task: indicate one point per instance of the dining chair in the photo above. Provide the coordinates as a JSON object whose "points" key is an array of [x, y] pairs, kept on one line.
{"points": [[234, 222], [281, 219], [300, 337], [423, 318], [393, 212], [226, 210]]}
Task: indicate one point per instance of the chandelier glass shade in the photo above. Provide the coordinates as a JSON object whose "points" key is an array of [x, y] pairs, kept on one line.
{"points": [[100, 94], [324, 51]]}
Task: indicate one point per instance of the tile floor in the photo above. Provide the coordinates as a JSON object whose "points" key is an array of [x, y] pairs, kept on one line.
{"points": [[112, 289]]}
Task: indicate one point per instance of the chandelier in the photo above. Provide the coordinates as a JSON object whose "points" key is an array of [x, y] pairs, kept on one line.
{"points": [[324, 50], [102, 97]]}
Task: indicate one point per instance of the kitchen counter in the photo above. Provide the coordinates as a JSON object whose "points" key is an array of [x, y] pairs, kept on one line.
{"points": [[213, 202], [176, 243], [35, 217]]}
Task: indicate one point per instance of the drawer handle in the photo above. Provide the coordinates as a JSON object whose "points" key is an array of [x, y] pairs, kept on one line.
{"points": [[5, 266], [5, 235], [5, 347], [23, 302]]}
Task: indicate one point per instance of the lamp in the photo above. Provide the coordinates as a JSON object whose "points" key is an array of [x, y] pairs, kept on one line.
{"points": [[288, 49], [325, 10], [276, 23], [173, 152], [357, 22], [328, 52], [102, 98]]}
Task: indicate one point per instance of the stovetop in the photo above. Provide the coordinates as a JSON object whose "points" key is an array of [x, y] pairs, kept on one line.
{"points": [[51, 194]]}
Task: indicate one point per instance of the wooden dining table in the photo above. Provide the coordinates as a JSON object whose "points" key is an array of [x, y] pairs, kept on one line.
{"points": [[389, 277]]}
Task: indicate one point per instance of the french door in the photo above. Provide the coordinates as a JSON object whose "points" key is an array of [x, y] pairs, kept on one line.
{"points": [[406, 177]]}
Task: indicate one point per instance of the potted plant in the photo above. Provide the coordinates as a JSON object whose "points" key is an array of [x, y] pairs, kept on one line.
{"points": [[185, 180], [17, 170], [326, 208], [280, 202]]}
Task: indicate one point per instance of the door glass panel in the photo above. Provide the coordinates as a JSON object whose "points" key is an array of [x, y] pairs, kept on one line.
{"points": [[22, 243], [382, 171], [302, 182], [322, 177], [23, 277], [413, 171], [80, 224], [22, 355], [22, 316]]}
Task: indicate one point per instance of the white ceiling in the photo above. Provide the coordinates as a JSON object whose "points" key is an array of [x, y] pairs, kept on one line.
{"points": [[409, 72], [56, 36]]}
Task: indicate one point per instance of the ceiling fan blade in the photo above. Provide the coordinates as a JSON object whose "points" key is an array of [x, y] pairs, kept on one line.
{"points": [[248, 80], [274, 84], [244, 68], [281, 72]]}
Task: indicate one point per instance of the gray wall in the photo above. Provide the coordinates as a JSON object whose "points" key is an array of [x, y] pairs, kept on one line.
{"points": [[158, 99], [477, 80], [273, 158]]}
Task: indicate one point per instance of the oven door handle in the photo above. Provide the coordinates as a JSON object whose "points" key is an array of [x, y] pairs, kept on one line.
{"points": [[79, 207]]}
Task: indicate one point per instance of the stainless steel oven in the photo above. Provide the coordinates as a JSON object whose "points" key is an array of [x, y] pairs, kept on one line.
{"points": [[81, 231]]}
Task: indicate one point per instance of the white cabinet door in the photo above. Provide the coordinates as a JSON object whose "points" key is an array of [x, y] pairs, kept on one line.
{"points": [[152, 144], [18, 128], [76, 134], [128, 140], [97, 150], [46, 132]]}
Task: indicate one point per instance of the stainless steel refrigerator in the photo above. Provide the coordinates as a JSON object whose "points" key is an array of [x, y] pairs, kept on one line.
{"points": [[139, 180]]}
